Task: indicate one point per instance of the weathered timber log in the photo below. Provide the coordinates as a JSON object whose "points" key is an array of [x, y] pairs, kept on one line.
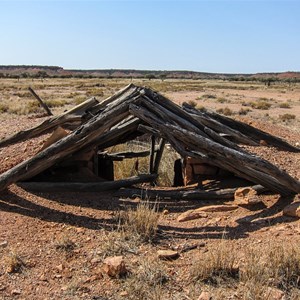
{"points": [[152, 153], [86, 186], [84, 135], [196, 194], [42, 103], [242, 129], [124, 155], [71, 118], [158, 156], [274, 179]]}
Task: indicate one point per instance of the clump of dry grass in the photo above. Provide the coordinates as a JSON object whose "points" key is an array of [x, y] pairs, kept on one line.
{"points": [[225, 111], [287, 117], [285, 105], [140, 222], [147, 281], [65, 244], [216, 265], [14, 263]]}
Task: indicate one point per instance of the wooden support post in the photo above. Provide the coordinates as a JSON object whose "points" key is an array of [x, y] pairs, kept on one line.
{"points": [[158, 155], [152, 153], [43, 104]]}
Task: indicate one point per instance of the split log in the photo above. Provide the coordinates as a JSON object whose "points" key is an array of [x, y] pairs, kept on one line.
{"points": [[241, 128], [158, 155], [255, 169], [43, 104], [86, 186], [222, 194], [84, 135], [152, 153]]}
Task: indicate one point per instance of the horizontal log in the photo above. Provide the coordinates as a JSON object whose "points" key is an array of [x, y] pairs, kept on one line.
{"points": [[86, 186], [196, 194]]}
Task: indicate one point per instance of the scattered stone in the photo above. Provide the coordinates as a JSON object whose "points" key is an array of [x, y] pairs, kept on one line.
{"points": [[275, 294], [292, 210], [165, 212], [191, 215], [124, 294], [95, 260], [263, 143], [167, 254], [216, 208], [60, 267], [246, 196], [3, 244], [114, 266], [16, 292], [205, 296]]}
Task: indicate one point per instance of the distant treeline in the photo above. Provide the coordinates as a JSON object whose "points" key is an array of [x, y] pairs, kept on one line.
{"points": [[24, 71]]}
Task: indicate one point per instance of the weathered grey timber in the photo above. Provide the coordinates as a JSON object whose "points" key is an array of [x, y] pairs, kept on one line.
{"points": [[136, 110]]}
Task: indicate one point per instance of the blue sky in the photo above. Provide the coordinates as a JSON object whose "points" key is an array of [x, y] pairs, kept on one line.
{"points": [[209, 36]]}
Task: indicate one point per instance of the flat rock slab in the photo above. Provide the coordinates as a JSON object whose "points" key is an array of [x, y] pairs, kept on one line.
{"points": [[292, 210], [202, 212], [191, 215], [246, 196]]}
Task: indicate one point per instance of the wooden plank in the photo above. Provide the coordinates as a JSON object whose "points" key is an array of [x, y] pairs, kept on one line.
{"points": [[86, 186]]}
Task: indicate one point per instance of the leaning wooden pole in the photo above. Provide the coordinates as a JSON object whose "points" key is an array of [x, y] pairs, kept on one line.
{"points": [[42, 103]]}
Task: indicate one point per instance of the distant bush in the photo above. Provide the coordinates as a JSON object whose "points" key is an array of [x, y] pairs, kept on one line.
{"points": [[261, 104], [55, 103], [225, 111], [287, 117], [223, 100], [285, 105], [244, 111], [4, 108]]}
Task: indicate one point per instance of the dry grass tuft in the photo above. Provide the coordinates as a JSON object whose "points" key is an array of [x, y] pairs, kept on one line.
{"points": [[65, 244], [140, 222], [14, 263], [216, 265], [147, 281]]}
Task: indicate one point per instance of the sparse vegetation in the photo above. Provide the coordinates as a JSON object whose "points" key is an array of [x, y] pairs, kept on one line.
{"points": [[287, 117], [225, 111], [14, 263], [285, 105], [140, 222]]}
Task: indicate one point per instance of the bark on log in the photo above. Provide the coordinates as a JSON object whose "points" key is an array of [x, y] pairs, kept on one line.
{"points": [[242, 129], [84, 135], [86, 186], [261, 171], [222, 194]]}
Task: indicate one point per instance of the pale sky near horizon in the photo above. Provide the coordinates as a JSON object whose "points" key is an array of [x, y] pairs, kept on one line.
{"points": [[208, 36]]}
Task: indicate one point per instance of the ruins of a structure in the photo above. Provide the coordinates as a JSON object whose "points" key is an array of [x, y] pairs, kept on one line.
{"points": [[94, 126]]}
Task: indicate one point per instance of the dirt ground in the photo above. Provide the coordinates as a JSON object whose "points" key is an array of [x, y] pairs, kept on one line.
{"points": [[61, 239]]}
